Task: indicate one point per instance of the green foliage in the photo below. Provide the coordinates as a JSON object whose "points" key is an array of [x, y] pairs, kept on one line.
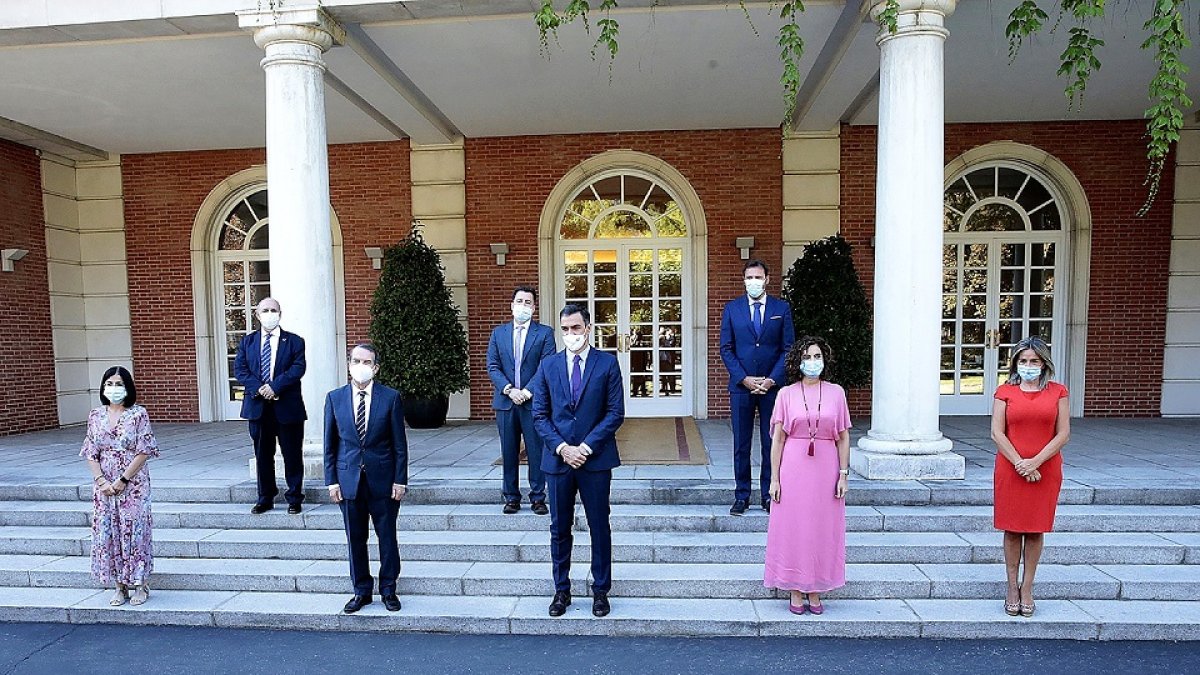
{"points": [[1167, 39], [1079, 62], [414, 323], [548, 21], [791, 48], [1024, 21], [828, 301], [889, 18]]}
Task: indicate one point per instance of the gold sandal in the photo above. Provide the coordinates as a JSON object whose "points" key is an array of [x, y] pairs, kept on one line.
{"points": [[1027, 610], [120, 597], [1012, 608], [140, 595]]}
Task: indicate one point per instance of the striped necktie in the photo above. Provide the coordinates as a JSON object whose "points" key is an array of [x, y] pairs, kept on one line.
{"points": [[264, 359], [360, 417]]}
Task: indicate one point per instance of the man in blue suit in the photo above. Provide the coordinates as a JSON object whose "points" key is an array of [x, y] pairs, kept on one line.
{"points": [[366, 470], [514, 354], [269, 364], [578, 405], [756, 334]]}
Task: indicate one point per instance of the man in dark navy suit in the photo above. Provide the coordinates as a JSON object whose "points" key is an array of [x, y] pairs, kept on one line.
{"points": [[269, 364], [756, 334], [578, 405], [366, 471], [515, 351]]}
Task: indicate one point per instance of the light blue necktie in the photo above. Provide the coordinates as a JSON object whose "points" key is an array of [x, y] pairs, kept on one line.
{"points": [[517, 357], [264, 359]]}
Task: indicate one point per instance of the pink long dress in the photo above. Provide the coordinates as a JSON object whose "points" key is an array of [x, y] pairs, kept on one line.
{"points": [[806, 535]]}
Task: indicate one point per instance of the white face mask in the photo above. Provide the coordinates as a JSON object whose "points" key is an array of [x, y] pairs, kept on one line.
{"points": [[574, 342], [1029, 373], [269, 320], [522, 313], [362, 373], [115, 394], [755, 287], [812, 367]]}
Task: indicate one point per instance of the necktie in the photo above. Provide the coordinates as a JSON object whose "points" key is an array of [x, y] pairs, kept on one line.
{"points": [[360, 417], [264, 359], [576, 380], [758, 318], [517, 356]]}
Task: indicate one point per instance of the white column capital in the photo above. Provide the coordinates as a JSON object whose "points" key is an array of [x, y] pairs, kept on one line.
{"points": [[916, 17], [309, 25]]}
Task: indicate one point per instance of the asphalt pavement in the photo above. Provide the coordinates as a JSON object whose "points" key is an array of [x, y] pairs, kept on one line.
{"points": [[58, 649]]}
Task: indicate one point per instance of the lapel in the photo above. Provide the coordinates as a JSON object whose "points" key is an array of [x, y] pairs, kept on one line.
{"points": [[589, 367], [529, 332], [564, 360], [376, 415], [506, 340], [343, 408]]}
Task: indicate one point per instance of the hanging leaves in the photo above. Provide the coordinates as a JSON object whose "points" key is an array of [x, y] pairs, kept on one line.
{"points": [[791, 48]]}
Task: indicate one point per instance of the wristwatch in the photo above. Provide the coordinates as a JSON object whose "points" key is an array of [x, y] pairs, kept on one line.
{"points": [[844, 472]]}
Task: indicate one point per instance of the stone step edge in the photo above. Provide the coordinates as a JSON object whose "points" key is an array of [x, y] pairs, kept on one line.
{"points": [[631, 616]]}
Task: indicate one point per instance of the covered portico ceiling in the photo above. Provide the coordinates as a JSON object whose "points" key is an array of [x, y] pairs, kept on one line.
{"points": [[151, 76]]}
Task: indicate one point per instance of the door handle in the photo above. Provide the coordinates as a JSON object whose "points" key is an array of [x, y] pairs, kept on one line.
{"points": [[992, 339], [623, 342]]}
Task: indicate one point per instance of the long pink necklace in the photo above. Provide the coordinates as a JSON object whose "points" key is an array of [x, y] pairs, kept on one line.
{"points": [[812, 430]]}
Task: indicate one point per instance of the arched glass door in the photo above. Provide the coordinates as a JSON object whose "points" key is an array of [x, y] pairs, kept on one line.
{"points": [[245, 279], [622, 253], [1003, 271]]}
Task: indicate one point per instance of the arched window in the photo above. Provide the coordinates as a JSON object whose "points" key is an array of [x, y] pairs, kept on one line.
{"points": [[243, 244], [620, 206], [1000, 199]]}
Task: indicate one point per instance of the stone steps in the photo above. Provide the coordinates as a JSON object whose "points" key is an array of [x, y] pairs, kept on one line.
{"points": [[631, 616], [646, 491], [1136, 548], [651, 580], [625, 518]]}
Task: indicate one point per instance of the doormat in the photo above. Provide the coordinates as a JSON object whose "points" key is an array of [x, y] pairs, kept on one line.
{"points": [[656, 440]]}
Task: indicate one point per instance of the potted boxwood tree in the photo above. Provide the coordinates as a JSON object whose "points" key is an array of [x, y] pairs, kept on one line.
{"points": [[414, 325], [828, 301]]}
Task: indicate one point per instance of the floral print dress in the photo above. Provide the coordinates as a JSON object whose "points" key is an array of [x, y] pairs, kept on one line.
{"points": [[122, 551]]}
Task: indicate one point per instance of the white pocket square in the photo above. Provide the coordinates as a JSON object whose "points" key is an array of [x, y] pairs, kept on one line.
{"points": [[777, 316]]}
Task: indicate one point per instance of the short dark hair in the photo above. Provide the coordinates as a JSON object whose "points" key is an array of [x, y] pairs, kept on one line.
{"points": [[795, 357], [757, 263], [525, 289], [130, 390], [367, 346], [576, 308]]}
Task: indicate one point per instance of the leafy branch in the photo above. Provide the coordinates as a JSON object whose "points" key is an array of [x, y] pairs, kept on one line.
{"points": [[548, 21], [791, 49], [1023, 22]]}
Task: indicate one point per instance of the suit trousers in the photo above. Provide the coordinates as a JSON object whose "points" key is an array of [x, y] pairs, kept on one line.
{"points": [[381, 511], [742, 406], [264, 431], [513, 425], [593, 490]]}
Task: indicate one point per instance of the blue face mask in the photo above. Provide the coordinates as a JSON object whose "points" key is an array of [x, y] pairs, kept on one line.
{"points": [[1029, 373], [812, 367]]}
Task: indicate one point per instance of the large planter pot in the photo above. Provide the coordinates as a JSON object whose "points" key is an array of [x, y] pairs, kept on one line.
{"points": [[426, 413]]}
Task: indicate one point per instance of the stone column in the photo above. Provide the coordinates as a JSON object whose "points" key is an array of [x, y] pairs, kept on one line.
{"points": [[302, 271], [905, 441]]}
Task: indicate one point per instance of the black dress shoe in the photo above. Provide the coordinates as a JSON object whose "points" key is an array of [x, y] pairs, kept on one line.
{"points": [[293, 509], [511, 508], [391, 602], [739, 507], [540, 508], [356, 603], [562, 600], [767, 504], [600, 604], [260, 508]]}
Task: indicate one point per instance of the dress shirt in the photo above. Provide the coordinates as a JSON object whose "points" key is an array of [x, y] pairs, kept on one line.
{"points": [[262, 336], [582, 368]]}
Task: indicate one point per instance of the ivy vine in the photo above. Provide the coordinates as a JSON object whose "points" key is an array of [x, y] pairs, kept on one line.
{"points": [[1078, 62]]}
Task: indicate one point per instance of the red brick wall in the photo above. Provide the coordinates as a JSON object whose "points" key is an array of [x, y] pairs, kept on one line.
{"points": [[25, 330], [369, 191], [1129, 255], [737, 174]]}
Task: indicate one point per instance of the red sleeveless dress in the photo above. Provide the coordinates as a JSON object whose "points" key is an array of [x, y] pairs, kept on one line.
{"points": [[1030, 418]]}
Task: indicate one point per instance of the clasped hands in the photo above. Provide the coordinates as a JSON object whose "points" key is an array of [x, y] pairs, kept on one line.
{"points": [[519, 396], [267, 392], [110, 489], [1028, 469], [573, 455], [758, 385]]}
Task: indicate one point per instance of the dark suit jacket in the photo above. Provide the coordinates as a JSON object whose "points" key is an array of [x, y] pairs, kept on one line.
{"points": [[748, 355], [539, 343], [285, 379], [595, 420], [385, 452]]}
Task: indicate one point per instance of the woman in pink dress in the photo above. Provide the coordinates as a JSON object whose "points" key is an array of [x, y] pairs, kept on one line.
{"points": [[810, 460], [117, 445]]}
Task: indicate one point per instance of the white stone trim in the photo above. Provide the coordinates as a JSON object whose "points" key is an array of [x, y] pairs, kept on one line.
{"points": [[1181, 373], [612, 160], [1059, 178]]}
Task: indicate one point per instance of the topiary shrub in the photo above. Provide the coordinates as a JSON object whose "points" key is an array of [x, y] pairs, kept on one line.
{"points": [[828, 301], [414, 323]]}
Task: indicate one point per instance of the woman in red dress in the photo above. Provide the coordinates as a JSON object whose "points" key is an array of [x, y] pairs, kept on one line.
{"points": [[1031, 423]]}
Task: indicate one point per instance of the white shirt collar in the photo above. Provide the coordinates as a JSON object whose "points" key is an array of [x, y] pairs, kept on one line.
{"points": [[583, 356], [370, 389], [762, 298]]}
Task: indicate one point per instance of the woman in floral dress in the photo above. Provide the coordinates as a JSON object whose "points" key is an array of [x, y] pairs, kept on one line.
{"points": [[117, 445]]}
